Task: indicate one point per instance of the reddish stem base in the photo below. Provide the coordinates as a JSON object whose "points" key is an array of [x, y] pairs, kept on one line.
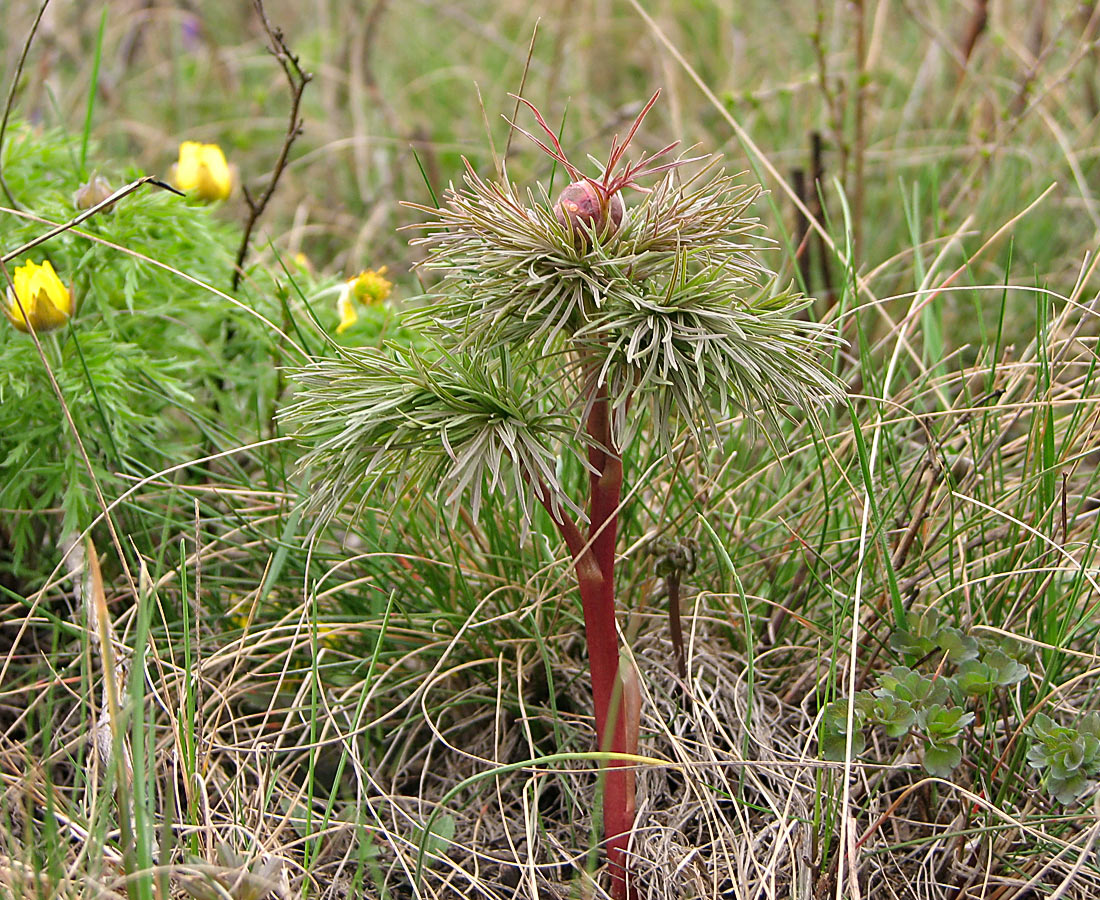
{"points": [[616, 709], [615, 700], [614, 728]]}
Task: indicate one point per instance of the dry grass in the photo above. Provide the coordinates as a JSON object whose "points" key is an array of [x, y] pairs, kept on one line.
{"points": [[295, 717]]}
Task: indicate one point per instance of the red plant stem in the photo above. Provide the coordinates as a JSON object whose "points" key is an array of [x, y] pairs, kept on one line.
{"points": [[598, 599], [605, 483], [616, 706]]}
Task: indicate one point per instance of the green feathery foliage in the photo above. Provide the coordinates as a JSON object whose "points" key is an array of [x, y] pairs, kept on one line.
{"points": [[674, 309], [452, 423], [146, 362]]}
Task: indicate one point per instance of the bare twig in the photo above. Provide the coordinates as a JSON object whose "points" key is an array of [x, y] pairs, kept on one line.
{"points": [[87, 214], [906, 542], [801, 228], [675, 628], [860, 140], [676, 559], [817, 213], [364, 54], [976, 27], [132, 41], [16, 75], [297, 79], [833, 101]]}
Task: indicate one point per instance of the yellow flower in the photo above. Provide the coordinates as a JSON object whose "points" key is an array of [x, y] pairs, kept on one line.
{"points": [[203, 171], [368, 288], [40, 299]]}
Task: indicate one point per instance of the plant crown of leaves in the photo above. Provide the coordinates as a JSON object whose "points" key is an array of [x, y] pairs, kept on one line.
{"points": [[526, 325]]}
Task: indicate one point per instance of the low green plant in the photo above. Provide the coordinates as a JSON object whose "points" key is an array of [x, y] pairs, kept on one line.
{"points": [[1066, 757], [934, 710], [153, 363], [980, 677], [941, 726], [930, 635]]}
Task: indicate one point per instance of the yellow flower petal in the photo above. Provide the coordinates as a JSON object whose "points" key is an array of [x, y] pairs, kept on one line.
{"points": [[202, 170], [368, 287], [185, 175], [40, 300], [348, 315]]}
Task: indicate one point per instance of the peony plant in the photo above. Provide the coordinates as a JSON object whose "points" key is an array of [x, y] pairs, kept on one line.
{"points": [[570, 326]]}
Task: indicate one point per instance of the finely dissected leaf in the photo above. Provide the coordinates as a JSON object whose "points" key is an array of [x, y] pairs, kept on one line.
{"points": [[147, 341], [705, 343], [514, 274], [673, 309], [549, 326], [453, 424], [674, 306]]}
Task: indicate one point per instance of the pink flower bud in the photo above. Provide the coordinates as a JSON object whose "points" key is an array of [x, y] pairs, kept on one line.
{"points": [[583, 203]]}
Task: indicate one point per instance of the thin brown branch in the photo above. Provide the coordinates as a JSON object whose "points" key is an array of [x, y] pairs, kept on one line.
{"points": [[675, 628], [860, 141], [801, 235], [975, 28], [817, 213], [906, 542], [87, 214], [297, 80], [16, 75]]}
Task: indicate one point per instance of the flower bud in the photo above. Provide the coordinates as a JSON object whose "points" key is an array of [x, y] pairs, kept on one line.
{"points": [[203, 171], [94, 192], [39, 300], [582, 203]]}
